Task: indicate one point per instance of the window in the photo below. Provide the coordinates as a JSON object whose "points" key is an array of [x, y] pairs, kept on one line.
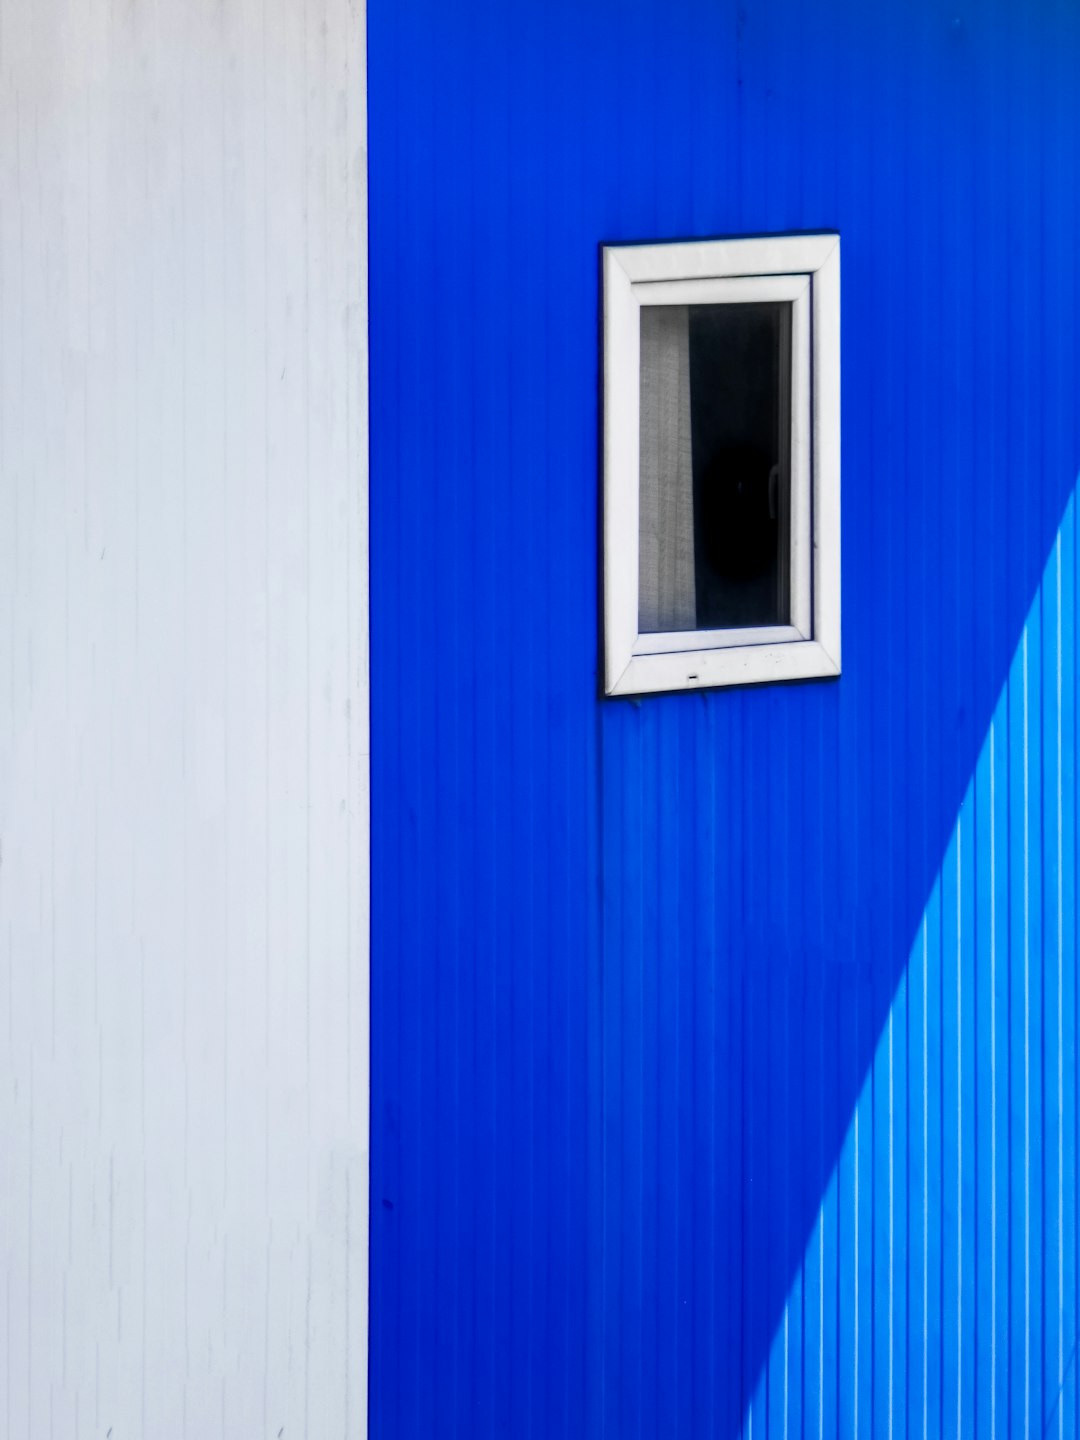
{"points": [[721, 462]]}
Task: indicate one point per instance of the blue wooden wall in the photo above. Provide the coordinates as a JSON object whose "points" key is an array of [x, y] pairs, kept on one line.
{"points": [[724, 1045]]}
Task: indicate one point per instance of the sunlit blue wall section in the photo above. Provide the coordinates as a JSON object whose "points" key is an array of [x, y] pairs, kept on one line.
{"points": [[724, 1045], [941, 1270]]}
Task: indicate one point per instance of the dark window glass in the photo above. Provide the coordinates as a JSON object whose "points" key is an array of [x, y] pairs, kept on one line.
{"points": [[715, 466]]}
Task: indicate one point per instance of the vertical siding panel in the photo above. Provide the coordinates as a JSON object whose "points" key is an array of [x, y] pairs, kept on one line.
{"points": [[881, 1216], [1001, 1070], [730, 1253], [970, 737], [900, 1021], [683, 1257], [616, 927], [1052, 905], [650, 1156], [1033, 429], [664, 1080], [951, 1253], [779, 1363], [914, 1377], [745, 842], [443, 554], [825, 1421], [936, 1301], [1037, 967], [756, 1144], [527, 1333], [388, 984], [863, 1218], [1066, 1389], [636, 1368], [706, 1238], [1019, 1050], [573, 851], [185, 733], [986, 633], [418, 622], [1060, 1330], [967, 1162], [985, 1087], [1069, 295], [797, 1422], [847, 1251]]}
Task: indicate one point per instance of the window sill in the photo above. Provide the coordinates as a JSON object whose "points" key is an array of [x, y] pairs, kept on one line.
{"points": [[756, 664]]}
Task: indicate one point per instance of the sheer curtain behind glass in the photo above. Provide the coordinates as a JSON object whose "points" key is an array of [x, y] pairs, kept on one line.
{"points": [[667, 596]]}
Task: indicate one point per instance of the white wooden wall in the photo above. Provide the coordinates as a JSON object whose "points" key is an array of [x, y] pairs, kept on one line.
{"points": [[183, 719]]}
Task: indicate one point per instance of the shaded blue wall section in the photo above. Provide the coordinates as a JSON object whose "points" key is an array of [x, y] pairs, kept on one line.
{"points": [[633, 966]]}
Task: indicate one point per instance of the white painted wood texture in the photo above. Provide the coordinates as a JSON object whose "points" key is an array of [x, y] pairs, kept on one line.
{"points": [[183, 729]]}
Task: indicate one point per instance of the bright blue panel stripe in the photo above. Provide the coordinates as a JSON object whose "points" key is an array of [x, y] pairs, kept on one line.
{"points": [[989, 1012], [1070, 1034]]}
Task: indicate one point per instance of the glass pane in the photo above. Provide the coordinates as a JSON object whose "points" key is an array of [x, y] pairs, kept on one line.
{"points": [[715, 466]]}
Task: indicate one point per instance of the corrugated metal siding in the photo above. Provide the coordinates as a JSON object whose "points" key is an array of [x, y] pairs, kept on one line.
{"points": [[639, 970], [947, 1232], [183, 721]]}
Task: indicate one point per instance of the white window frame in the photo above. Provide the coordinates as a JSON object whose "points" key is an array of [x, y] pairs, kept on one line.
{"points": [[802, 269]]}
